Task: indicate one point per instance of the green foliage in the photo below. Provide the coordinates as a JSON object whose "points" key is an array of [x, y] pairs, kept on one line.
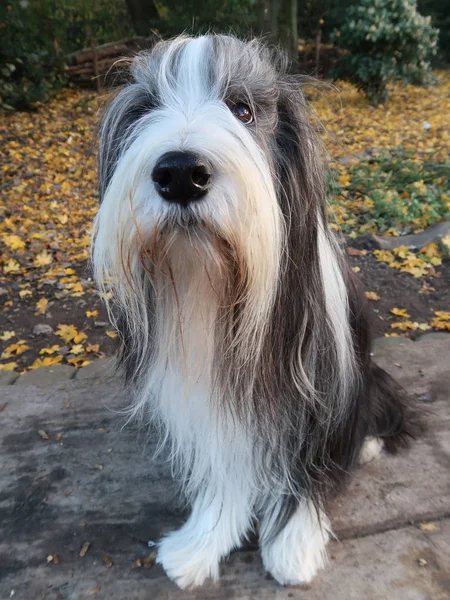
{"points": [[393, 191], [36, 34], [199, 16], [386, 40], [28, 62], [439, 10]]}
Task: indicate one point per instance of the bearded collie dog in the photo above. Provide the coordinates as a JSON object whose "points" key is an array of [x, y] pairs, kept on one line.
{"points": [[244, 336]]}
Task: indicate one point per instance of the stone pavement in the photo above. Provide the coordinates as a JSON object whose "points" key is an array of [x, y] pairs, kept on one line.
{"points": [[70, 474]]}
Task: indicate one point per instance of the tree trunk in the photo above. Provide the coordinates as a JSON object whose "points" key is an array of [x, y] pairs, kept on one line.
{"points": [[143, 15], [278, 20]]}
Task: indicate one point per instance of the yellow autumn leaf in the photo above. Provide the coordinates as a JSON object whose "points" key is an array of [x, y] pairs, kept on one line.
{"points": [[43, 259], [440, 325], [401, 251], [7, 335], [51, 350], [431, 250], [111, 334], [356, 269], [41, 306], [14, 242], [79, 361], [92, 313], [25, 293], [446, 240], [400, 312], [385, 256], [15, 350], [66, 332], [405, 325], [77, 349], [48, 361], [442, 315], [11, 266], [345, 179], [80, 337], [8, 366], [93, 348], [372, 296]]}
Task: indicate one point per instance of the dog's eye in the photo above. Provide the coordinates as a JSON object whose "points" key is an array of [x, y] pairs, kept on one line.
{"points": [[242, 112]]}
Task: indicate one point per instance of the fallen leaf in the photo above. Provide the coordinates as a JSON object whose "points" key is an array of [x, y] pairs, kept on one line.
{"points": [[96, 590], [431, 526], [356, 269], [442, 315], [11, 266], [356, 252], [92, 313], [93, 348], [14, 242], [51, 350], [7, 335], [422, 562], [41, 306], [440, 325], [84, 549], [147, 561], [111, 334], [372, 296], [107, 560], [8, 366], [48, 361], [77, 349], [66, 332], [405, 325], [44, 435], [15, 349], [400, 312]]}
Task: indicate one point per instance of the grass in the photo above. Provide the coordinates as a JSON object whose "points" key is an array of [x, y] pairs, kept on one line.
{"points": [[394, 192]]}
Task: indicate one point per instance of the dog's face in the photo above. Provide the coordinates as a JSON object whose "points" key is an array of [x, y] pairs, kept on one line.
{"points": [[208, 164], [189, 141], [189, 147]]}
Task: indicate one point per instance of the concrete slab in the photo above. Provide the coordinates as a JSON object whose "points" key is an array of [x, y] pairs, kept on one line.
{"points": [[70, 474], [99, 369], [8, 377], [47, 375]]}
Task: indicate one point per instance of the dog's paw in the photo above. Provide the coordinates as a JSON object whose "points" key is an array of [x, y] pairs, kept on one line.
{"points": [[296, 566], [295, 555], [371, 449], [186, 563]]}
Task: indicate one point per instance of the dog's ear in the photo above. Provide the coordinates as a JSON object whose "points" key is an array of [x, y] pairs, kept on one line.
{"points": [[299, 164], [115, 132]]}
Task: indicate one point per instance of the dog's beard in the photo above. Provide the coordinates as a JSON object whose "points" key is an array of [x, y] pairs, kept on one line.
{"points": [[195, 284]]}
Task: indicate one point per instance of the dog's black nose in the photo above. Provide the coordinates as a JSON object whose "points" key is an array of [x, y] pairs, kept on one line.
{"points": [[182, 177]]}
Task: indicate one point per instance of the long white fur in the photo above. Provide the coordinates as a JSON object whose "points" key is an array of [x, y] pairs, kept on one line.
{"points": [[212, 453]]}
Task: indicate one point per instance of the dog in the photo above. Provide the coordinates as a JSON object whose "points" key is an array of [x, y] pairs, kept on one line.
{"points": [[243, 333]]}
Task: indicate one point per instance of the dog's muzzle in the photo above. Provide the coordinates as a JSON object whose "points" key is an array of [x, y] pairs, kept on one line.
{"points": [[182, 177]]}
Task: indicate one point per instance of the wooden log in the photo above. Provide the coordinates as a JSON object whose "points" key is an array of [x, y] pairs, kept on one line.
{"points": [[109, 49]]}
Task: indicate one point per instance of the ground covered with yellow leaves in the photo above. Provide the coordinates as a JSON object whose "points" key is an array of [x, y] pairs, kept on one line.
{"points": [[389, 175]]}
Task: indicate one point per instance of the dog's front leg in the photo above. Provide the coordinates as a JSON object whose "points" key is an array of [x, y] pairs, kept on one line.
{"points": [[218, 523], [297, 552]]}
